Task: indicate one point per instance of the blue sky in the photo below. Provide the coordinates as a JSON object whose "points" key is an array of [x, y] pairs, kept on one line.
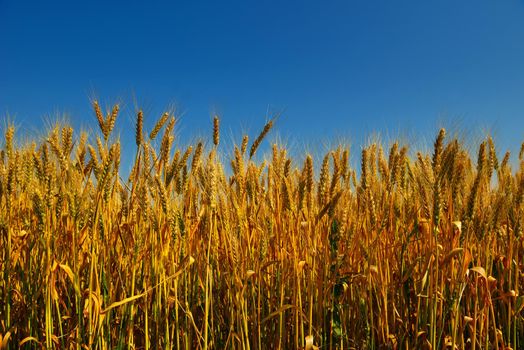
{"points": [[333, 69]]}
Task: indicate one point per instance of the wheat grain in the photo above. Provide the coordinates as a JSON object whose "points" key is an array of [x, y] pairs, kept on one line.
{"points": [[260, 137], [216, 131]]}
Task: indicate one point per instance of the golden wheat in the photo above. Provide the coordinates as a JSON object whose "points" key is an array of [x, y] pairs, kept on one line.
{"points": [[414, 253]]}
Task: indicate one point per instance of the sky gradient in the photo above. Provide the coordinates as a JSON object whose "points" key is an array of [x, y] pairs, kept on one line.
{"points": [[332, 69]]}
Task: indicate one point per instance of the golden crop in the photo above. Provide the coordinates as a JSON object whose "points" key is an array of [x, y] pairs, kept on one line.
{"points": [[410, 252]]}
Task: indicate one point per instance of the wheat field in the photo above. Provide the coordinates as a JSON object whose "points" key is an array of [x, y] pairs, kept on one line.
{"points": [[211, 248]]}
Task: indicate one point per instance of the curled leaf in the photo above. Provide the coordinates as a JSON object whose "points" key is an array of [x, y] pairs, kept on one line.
{"points": [[480, 270]]}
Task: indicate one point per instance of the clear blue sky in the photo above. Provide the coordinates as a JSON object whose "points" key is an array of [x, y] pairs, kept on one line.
{"points": [[333, 68]]}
